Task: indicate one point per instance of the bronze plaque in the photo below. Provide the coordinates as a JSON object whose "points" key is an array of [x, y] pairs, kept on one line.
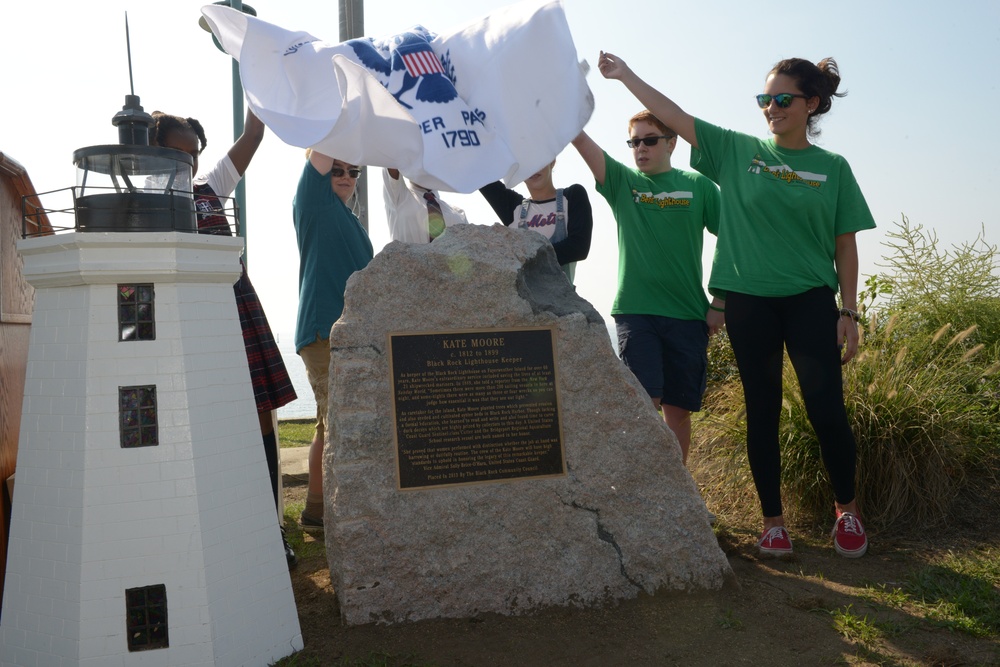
{"points": [[475, 406]]}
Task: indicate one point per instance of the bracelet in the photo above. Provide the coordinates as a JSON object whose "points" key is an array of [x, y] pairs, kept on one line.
{"points": [[847, 312], [717, 309]]}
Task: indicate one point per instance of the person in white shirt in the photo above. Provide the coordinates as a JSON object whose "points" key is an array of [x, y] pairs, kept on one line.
{"points": [[416, 214]]}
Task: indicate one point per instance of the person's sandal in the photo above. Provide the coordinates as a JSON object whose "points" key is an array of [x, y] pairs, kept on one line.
{"points": [[310, 524]]}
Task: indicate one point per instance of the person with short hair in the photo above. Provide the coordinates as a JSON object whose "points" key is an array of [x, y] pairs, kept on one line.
{"points": [[790, 212], [332, 246], [562, 215], [660, 308]]}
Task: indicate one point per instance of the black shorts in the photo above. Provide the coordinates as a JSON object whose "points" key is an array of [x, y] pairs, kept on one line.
{"points": [[668, 356]]}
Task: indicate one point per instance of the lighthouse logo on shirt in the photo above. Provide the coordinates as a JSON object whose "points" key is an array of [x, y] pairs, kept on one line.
{"points": [[783, 172], [676, 199]]}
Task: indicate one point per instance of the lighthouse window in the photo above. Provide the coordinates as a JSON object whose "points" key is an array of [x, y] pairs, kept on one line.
{"points": [[137, 416], [146, 617], [135, 312]]}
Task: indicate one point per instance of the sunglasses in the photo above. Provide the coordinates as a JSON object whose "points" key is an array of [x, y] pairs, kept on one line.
{"points": [[783, 100], [635, 142], [337, 172]]}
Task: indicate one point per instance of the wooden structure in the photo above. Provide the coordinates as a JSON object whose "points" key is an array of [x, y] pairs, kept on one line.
{"points": [[16, 299]]}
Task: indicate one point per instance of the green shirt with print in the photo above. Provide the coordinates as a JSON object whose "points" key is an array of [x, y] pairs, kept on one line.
{"points": [[781, 212], [661, 226]]}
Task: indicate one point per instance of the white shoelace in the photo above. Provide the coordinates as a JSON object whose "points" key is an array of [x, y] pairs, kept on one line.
{"points": [[772, 534], [851, 524]]}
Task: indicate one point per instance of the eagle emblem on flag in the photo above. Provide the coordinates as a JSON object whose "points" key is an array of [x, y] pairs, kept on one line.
{"points": [[411, 55]]}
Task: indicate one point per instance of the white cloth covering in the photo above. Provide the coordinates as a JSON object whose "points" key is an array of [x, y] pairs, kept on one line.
{"points": [[498, 98]]}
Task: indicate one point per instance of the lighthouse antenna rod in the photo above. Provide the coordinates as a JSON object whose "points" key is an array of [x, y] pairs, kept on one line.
{"points": [[128, 48]]}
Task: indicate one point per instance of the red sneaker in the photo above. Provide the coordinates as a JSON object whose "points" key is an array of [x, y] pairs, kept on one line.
{"points": [[849, 537], [775, 542]]}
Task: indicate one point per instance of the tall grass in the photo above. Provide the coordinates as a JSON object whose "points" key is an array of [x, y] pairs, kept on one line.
{"points": [[924, 411], [924, 402]]}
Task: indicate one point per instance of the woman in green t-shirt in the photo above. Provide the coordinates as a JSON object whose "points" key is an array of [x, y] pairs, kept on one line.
{"points": [[786, 246]]}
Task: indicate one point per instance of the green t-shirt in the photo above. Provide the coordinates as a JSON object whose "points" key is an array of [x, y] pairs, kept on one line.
{"points": [[661, 227], [781, 212]]}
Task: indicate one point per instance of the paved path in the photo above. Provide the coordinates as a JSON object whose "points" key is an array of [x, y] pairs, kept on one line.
{"points": [[294, 460]]}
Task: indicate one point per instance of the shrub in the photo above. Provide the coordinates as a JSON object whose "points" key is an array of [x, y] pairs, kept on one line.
{"points": [[923, 397], [927, 288], [721, 362]]}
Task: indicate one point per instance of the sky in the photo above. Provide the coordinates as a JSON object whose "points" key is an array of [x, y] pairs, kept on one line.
{"points": [[918, 125]]}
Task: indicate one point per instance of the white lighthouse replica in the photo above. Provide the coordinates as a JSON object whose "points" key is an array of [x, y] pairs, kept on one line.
{"points": [[143, 529]]}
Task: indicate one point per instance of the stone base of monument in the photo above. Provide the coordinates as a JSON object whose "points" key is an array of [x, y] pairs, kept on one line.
{"points": [[449, 494]]}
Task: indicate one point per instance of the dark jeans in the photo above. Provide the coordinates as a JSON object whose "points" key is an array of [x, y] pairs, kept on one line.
{"points": [[806, 324]]}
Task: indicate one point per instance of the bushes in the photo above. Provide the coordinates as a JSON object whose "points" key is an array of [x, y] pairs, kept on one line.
{"points": [[927, 288], [923, 395]]}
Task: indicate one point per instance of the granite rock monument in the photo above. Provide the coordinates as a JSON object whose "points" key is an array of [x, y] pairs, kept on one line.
{"points": [[622, 517]]}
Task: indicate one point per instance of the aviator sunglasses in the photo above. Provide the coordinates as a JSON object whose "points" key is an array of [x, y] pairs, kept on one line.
{"points": [[783, 100], [649, 141], [337, 172]]}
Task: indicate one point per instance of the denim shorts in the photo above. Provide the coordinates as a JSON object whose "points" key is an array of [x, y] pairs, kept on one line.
{"points": [[668, 356]]}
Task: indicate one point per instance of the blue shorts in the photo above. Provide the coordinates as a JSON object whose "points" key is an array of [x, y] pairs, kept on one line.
{"points": [[668, 356]]}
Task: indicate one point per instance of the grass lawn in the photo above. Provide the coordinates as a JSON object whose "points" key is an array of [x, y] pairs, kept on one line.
{"points": [[296, 432]]}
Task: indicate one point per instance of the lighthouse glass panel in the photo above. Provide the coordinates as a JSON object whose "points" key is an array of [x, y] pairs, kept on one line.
{"points": [[135, 312], [137, 416], [146, 617]]}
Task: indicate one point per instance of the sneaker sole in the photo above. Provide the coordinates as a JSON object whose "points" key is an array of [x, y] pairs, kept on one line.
{"points": [[774, 553], [846, 553]]}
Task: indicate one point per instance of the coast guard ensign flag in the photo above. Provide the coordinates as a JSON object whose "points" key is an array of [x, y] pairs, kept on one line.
{"points": [[496, 99]]}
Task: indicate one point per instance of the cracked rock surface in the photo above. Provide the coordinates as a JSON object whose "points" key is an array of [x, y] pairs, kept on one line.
{"points": [[625, 518]]}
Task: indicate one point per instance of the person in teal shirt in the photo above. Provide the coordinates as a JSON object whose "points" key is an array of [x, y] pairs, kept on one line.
{"points": [[660, 308], [790, 211], [332, 246]]}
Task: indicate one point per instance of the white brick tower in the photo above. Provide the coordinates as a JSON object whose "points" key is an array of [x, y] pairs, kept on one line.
{"points": [[143, 529]]}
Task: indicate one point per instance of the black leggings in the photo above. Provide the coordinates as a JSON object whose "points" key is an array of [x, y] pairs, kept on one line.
{"points": [[806, 324]]}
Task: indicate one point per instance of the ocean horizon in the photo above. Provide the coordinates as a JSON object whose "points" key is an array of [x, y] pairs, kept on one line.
{"points": [[303, 407]]}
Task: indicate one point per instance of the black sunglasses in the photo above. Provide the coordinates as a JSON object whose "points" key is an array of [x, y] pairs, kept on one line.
{"points": [[783, 100], [635, 142], [337, 172]]}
